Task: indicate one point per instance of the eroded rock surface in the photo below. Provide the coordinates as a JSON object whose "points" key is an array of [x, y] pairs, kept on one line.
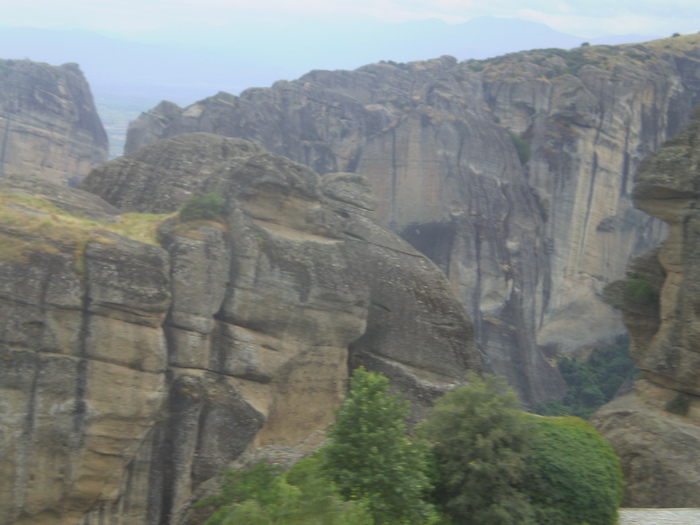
{"points": [[49, 127], [658, 451], [660, 300], [133, 372], [527, 246]]}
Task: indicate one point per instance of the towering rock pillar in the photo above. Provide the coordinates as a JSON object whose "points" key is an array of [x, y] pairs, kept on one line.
{"points": [[49, 127], [656, 429]]}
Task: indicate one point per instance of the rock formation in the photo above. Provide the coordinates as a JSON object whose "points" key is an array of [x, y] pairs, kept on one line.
{"points": [[528, 240], [137, 365], [49, 127], [656, 429]]}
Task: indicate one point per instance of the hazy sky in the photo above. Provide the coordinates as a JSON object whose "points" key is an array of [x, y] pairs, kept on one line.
{"points": [[589, 18]]}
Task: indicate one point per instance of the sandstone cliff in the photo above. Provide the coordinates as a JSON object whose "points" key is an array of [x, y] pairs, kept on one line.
{"points": [[661, 299], [528, 241], [49, 127], [138, 362]]}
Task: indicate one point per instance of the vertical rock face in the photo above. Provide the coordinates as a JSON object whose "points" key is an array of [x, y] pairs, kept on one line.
{"points": [[528, 241], [49, 127], [661, 300], [133, 372]]}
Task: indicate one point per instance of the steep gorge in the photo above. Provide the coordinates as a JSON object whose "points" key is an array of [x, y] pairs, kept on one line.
{"points": [[528, 242]]}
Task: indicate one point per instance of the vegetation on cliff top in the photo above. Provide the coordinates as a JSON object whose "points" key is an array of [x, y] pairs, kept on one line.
{"points": [[554, 62], [202, 207], [30, 223]]}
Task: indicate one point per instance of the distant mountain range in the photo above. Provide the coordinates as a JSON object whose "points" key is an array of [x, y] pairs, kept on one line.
{"points": [[130, 76]]}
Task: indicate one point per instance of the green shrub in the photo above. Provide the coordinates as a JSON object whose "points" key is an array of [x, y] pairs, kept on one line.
{"points": [[591, 383], [574, 475], [639, 292], [263, 496], [679, 405], [202, 207], [522, 146], [257, 483], [499, 466]]}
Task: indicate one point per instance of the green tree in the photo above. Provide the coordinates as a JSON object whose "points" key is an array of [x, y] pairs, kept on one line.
{"points": [[370, 457], [574, 475], [481, 445], [591, 383], [200, 206]]}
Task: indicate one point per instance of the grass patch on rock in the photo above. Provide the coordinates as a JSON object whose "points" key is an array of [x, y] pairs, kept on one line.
{"points": [[31, 223], [141, 227]]}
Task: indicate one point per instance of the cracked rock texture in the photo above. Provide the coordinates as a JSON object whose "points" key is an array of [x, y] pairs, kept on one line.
{"points": [[133, 372], [528, 243], [49, 127], [660, 450]]}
